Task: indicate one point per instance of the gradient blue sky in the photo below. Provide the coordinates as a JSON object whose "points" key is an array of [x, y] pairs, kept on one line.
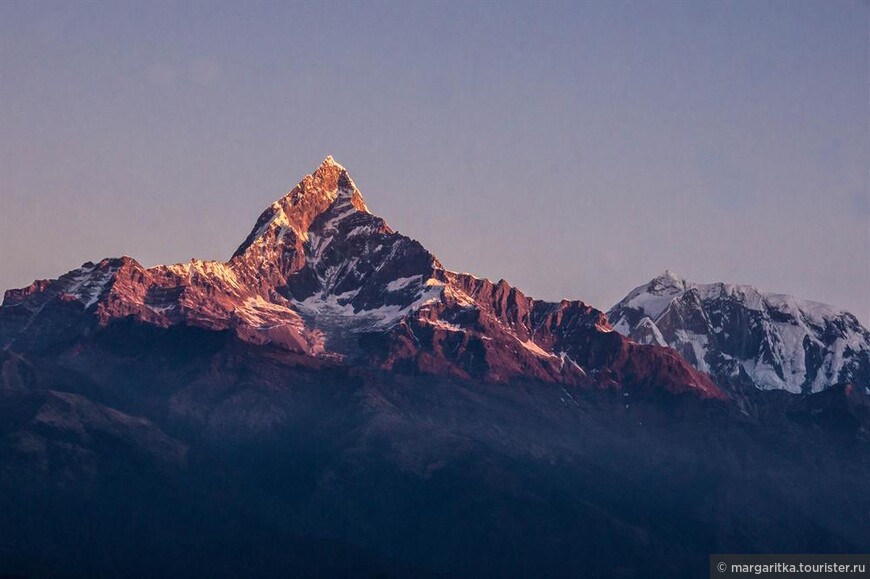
{"points": [[576, 150]]}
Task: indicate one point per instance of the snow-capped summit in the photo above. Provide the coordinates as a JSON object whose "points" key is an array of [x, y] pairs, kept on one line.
{"points": [[668, 280], [321, 276], [743, 336]]}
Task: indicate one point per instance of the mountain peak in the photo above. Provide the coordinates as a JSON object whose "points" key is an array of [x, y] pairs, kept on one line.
{"points": [[328, 186], [330, 161], [670, 275], [324, 185], [667, 282]]}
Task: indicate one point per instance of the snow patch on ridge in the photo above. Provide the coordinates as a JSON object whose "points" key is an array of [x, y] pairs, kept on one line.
{"points": [[565, 358], [402, 283], [697, 343], [264, 315], [535, 349], [89, 283], [333, 308], [442, 325]]}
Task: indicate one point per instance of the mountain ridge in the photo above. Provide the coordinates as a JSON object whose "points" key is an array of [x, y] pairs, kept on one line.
{"points": [[320, 275]]}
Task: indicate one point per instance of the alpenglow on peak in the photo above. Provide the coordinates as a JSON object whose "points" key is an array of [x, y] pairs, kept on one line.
{"points": [[330, 186]]}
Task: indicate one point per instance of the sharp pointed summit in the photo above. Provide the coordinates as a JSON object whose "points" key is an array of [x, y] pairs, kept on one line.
{"points": [[330, 161], [328, 186]]}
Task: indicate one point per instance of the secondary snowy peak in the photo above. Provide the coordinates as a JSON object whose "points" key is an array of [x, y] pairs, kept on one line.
{"points": [[743, 336], [667, 282], [652, 299]]}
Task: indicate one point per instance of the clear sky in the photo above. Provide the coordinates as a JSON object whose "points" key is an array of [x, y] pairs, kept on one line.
{"points": [[575, 149]]}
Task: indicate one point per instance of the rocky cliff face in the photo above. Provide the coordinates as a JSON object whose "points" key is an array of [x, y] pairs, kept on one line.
{"points": [[743, 336], [321, 276]]}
